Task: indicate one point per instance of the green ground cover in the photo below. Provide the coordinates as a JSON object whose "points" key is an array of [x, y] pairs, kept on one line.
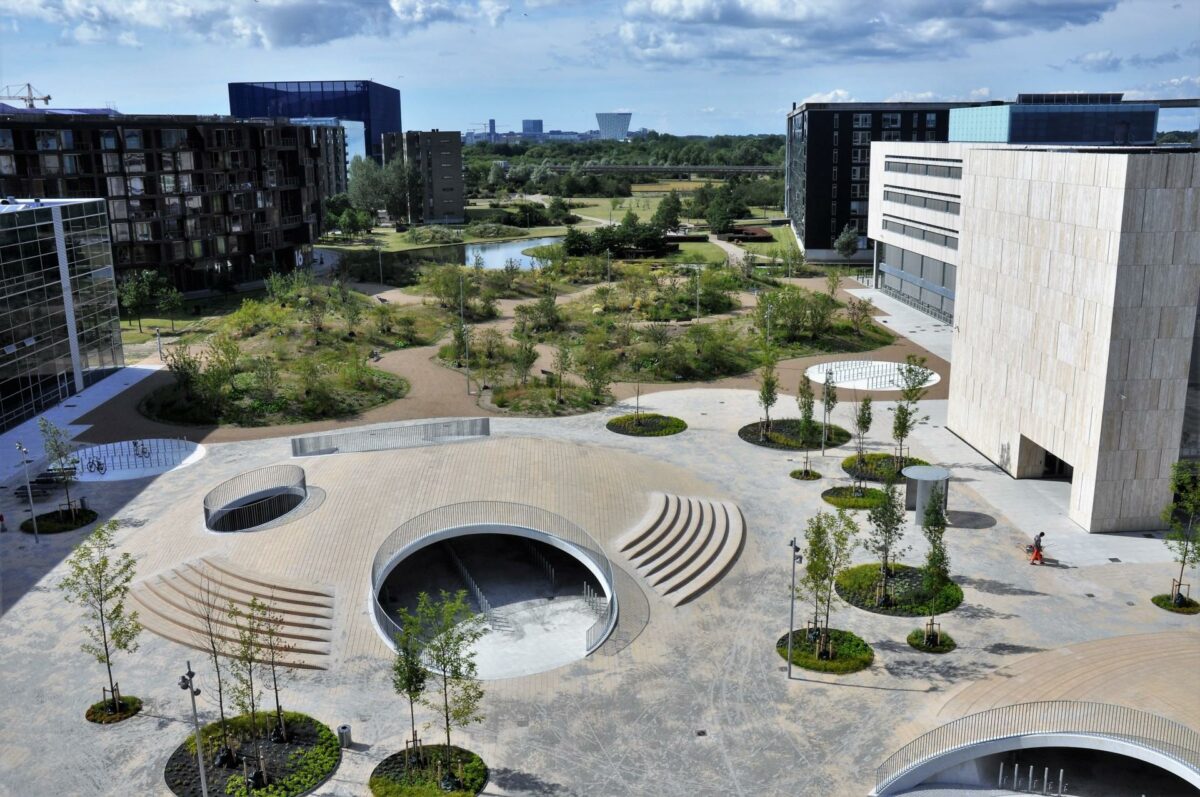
{"points": [[850, 653], [858, 586]]}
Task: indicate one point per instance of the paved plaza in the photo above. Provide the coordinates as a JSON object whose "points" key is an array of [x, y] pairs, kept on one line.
{"points": [[625, 720]]}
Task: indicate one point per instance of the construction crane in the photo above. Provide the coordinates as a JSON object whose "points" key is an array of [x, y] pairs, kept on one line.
{"points": [[26, 93]]}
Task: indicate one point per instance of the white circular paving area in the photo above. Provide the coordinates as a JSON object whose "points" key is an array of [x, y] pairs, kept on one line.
{"points": [[136, 459], [864, 374]]}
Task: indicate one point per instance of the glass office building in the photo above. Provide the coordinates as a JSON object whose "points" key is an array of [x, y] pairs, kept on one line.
{"points": [[1076, 119], [375, 105], [59, 328]]}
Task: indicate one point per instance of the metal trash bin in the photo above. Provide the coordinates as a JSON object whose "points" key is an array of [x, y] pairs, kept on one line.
{"points": [[343, 734], [83, 502]]}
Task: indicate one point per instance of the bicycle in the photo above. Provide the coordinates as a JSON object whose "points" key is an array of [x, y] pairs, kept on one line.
{"points": [[96, 465], [140, 451]]}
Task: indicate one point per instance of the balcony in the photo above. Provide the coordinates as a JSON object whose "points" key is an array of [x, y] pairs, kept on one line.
{"points": [[289, 221]]}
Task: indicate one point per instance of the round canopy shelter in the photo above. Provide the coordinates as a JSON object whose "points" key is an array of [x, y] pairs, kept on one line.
{"points": [[919, 483]]}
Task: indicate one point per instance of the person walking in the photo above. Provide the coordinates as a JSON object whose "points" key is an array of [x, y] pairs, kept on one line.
{"points": [[1036, 558]]}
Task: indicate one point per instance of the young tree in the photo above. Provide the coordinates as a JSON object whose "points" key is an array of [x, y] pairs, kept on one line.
{"points": [[594, 363], [210, 637], [831, 541], [816, 571], [1181, 515], [61, 456], [524, 358], [98, 580], [863, 417], [858, 311], [846, 243], [768, 391], [829, 400], [666, 217], [276, 648], [409, 676], [833, 281], [562, 364], [805, 401], [884, 537], [937, 561], [136, 292], [451, 631], [247, 665], [170, 302]]}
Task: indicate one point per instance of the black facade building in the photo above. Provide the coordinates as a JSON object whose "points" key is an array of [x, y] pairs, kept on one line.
{"points": [[205, 200], [375, 105], [436, 157], [829, 163]]}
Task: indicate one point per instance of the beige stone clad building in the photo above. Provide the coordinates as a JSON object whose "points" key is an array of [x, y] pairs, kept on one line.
{"points": [[1071, 277]]}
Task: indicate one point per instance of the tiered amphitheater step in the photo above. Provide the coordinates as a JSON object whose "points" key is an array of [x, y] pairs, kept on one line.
{"points": [[682, 545], [174, 605]]}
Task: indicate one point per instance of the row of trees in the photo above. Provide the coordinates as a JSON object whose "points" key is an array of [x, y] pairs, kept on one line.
{"points": [[630, 236], [395, 188], [143, 290]]}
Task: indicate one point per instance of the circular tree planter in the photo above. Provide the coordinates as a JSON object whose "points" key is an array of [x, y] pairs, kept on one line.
{"points": [[296, 767], [785, 435], [59, 521], [1188, 606], [916, 639], [646, 424], [850, 498], [858, 586], [395, 776], [879, 467], [850, 652], [102, 714], [800, 474]]}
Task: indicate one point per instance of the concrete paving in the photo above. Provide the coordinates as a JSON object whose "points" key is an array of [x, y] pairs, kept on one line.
{"points": [[921, 329]]}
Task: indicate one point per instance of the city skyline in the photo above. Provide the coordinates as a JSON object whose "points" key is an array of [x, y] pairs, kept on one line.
{"points": [[681, 66]]}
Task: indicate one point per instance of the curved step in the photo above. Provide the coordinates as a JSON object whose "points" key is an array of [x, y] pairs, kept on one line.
{"points": [[700, 526], [713, 526], [195, 576], [277, 585], [717, 568], [678, 510], [659, 504], [701, 556], [186, 604], [685, 524]]}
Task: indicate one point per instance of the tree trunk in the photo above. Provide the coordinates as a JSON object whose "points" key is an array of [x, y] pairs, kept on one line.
{"points": [[139, 322], [1183, 557], [278, 708], [112, 687], [221, 701], [446, 715]]}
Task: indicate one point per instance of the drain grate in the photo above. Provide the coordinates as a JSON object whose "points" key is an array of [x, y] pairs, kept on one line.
{"points": [[522, 722], [1130, 603], [702, 732], [1090, 594], [1113, 559]]}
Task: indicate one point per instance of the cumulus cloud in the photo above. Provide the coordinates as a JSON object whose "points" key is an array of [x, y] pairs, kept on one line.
{"points": [[1172, 88], [837, 95], [1107, 61], [268, 23]]}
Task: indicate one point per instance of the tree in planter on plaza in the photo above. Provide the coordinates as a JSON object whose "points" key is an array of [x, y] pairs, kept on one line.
{"points": [[829, 400], [768, 391], [805, 401], [1181, 515], [884, 537], [863, 418], [409, 676], [450, 634], [210, 637], [937, 562], [913, 376], [246, 667], [276, 649], [831, 540], [61, 456], [98, 580]]}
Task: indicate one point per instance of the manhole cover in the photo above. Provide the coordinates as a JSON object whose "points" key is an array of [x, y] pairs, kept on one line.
{"points": [[1089, 594], [1113, 559], [702, 732]]}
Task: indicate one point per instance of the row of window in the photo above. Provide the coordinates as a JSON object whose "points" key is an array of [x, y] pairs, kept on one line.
{"points": [[136, 139], [891, 119], [927, 202], [926, 169], [948, 241]]}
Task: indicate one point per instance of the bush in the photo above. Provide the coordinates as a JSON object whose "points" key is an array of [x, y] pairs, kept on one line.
{"points": [[433, 234], [879, 467], [1164, 602], [391, 778], [785, 435], [850, 652], [850, 498], [647, 424], [539, 397], [805, 475], [858, 586], [57, 522], [493, 230], [945, 644], [101, 713]]}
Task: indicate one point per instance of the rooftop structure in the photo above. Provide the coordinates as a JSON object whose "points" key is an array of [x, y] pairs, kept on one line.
{"points": [[613, 126]]}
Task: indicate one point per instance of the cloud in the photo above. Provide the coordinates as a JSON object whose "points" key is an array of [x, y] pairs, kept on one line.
{"points": [[913, 96], [1107, 61], [981, 93], [836, 30], [267, 23], [1172, 88], [1099, 61], [837, 95]]}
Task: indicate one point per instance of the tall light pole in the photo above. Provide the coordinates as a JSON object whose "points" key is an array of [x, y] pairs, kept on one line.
{"points": [[186, 683], [796, 559], [158, 339], [379, 252], [29, 490], [462, 324], [698, 293], [608, 268], [827, 416]]}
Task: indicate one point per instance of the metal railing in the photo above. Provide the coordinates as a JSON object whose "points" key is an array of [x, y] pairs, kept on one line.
{"points": [[254, 498], [407, 436], [1102, 720], [493, 514], [159, 452], [877, 374]]}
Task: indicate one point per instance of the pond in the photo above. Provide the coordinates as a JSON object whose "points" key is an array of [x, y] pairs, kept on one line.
{"points": [[494, 255]]}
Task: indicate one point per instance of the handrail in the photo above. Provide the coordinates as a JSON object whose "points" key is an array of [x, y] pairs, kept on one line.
{"points": [[1104, 720], [389, 437], [493, 513], [254, 498]]}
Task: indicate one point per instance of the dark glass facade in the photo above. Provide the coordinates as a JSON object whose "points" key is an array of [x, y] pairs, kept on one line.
{"points": [[375, 105], [918, 280], [829, 162], [59, 329]]}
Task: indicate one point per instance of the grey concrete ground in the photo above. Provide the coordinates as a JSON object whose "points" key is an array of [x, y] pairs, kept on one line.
{"points": [[625, 720]]}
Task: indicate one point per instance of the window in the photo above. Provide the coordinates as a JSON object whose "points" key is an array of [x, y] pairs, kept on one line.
{"points": [[891, 135], [135, 162], [108, 139], [861, 137], [930, 120], [137, 186], [891, 120], [833, 190], [915, 117], [861, 155], [116, 209], [171, 206], [50, 164], [833, 207], [167, 161], [116, 186], [46, 139], [836, 117], [120, 232], [173, 139], [141, 231], [860, 173], [835, 136], [167, 183], [859, 191], [6, 139], [858, 208], [8, 165], [185, 183], [187, 161], [133, 139], [862, 120], [931, 135], [67, 139], [70, 164], [915, 134], [835, 176], [833, 157]]}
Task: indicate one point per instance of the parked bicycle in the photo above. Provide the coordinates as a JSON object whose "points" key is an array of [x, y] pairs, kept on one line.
{"points": [[139, 450], [96, 465]]}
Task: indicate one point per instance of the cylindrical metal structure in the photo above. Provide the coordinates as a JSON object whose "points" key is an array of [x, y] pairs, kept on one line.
{"points": [[255, 498], [920, 482]]}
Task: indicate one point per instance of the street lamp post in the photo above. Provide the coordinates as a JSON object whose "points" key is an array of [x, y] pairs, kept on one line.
{"points": [[608, 267], [462, 323], [796, 559], [186, 683], [158, 340], [825, 407], [379, 252], [29, 490]]}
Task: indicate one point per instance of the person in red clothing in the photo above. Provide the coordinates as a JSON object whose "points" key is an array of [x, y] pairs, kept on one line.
{"points": [[1036, 558]]}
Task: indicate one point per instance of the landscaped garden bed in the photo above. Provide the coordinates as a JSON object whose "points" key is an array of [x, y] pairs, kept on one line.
{"points": [[646, 424], [854, 497], [800, 474], [878, 467], [784, 435], [60, 520], [102, 713], [297, 766], [540, 397], [1187, 606], [917, 640], [404, 774], [858, 586], [850, 653]]}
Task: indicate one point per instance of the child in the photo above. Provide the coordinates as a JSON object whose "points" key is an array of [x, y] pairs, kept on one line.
{"points": [[1036, 559]]}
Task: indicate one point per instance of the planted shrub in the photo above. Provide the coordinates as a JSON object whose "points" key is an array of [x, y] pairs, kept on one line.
{"points": [[787, 435], [853, 498], [849, 652], [646, 424], [916, 639], [877, 467], [859, 586]]}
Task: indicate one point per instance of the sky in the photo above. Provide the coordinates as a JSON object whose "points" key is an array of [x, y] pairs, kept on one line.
{"points": [[680, 66]]}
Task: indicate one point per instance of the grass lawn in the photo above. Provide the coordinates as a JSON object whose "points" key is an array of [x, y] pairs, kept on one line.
{"points": [[666, 186], [695, 252], [783, 238], [908, 596], [188, 326], [391, 241]]}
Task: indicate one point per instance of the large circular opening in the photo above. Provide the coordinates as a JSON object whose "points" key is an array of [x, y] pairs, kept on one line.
{"points": [[541, 585], [864, 374], [255, 498]]}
